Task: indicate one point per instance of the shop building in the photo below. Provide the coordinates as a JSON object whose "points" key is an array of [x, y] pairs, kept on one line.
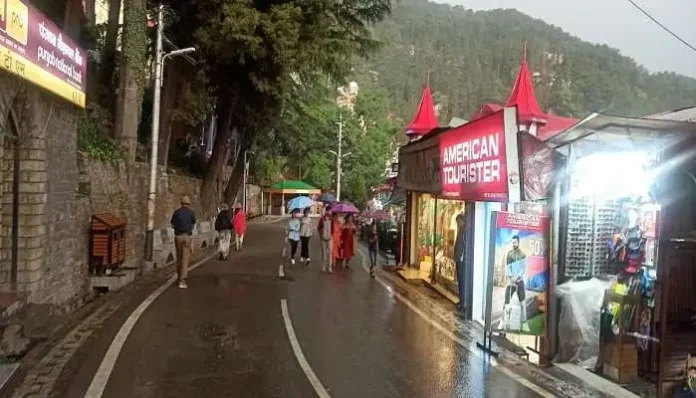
{"points": [[626, 285]]}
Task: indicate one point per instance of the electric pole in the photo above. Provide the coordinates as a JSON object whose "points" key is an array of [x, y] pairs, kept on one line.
{"points": [[339, 157]]}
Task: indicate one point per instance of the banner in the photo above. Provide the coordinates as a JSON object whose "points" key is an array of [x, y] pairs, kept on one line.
{"points": [[419, 166], [479, 161], [519, 273], [35, 49]]}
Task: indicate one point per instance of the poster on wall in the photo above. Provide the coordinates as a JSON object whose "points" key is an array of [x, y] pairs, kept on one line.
{"points": [[479, 160], [33, 48], [518, 274]]}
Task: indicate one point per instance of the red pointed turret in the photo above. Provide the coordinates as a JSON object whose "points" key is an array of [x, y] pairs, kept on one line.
{"points": [[425, 119], [523, 96]]}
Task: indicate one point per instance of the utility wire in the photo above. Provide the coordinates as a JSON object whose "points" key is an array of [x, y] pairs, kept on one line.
{"points": [[676, 36]]}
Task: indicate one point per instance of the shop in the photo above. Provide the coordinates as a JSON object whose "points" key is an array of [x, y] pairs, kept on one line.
{"points": [[623, 269]]}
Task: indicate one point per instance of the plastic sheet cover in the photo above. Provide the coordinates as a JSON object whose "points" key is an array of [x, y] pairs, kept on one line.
{"points": [[578, 325]]}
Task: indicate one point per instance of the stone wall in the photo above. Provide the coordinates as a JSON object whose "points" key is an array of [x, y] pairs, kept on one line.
{"points": [[58, 192]]}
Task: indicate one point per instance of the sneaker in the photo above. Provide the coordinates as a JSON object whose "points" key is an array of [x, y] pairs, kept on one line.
{"points": [[183, 285], [307, 263], [292, 261], [330, 271], [372, 273]]}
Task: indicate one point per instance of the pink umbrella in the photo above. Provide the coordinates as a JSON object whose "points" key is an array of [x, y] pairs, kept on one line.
{"points": [[379, 215], [345, 207]]}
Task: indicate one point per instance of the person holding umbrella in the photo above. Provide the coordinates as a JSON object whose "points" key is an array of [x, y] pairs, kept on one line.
{"points": [[293, 233], [348, 240], [305, 235], [336, 235], [326, 238]]}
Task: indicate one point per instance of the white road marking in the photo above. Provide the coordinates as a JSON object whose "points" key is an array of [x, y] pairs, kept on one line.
{"points": [[437, 325], [101, 378], [313, 379]]}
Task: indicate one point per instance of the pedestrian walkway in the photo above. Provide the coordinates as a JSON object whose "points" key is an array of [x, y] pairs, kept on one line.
{"points": [[239, 331]]}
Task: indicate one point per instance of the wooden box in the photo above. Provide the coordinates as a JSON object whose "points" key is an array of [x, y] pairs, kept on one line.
{"points": [[620, 362], [107, 243]]}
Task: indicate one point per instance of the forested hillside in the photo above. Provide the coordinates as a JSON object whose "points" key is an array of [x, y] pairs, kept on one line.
{"points": [[473, 57]]}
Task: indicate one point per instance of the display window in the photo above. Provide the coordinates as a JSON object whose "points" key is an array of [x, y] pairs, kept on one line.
{"points": [[425, 232], [449, 226]]}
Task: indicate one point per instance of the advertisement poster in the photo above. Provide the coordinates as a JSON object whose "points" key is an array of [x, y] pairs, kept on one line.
{"points": [[479, 160], [35, 49], [520, 270]]}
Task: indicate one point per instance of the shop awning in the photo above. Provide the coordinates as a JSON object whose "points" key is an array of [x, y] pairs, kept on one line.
{"points": [[636, 127], [293, 187]]}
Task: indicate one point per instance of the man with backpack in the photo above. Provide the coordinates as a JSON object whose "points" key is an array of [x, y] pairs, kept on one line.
{"points": [[223, 226]]}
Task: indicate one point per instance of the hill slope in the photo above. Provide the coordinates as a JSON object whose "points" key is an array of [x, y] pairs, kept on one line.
{"points": [[473, 57]]}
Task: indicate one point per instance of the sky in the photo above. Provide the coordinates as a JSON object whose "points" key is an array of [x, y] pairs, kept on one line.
{"points": [[618, 24]]}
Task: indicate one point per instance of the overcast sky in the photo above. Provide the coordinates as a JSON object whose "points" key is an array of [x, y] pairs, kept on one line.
{"points": [[618, 24]]}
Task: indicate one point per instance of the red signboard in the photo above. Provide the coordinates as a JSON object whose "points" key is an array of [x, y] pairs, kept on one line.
{"points": [[475, 159]]}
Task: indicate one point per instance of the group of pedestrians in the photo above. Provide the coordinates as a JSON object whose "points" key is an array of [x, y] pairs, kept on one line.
{"points": [[225, 225], [337, 240], [183, 222]]}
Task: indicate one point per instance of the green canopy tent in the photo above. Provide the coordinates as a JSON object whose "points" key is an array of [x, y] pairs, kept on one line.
{"points": [[287, 189]]}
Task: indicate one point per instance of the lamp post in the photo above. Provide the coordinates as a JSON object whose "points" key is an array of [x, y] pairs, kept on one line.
{"points": [[246, 180], [160, 59], [339, 158]]}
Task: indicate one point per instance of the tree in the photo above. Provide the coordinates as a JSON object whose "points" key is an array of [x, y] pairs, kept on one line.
{"points": [[254, 52]]}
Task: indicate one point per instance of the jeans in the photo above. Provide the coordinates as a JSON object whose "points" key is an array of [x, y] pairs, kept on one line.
{"points": [[183, 255], [326, 258], [373, 255]]}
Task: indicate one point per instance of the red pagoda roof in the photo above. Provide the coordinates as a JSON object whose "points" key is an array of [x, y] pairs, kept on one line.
{"points": [[523, 96], [425, 119], [486, 109]]}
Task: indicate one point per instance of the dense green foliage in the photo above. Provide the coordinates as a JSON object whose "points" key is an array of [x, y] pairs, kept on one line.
{"points": [[474, 57], [308, 131]]}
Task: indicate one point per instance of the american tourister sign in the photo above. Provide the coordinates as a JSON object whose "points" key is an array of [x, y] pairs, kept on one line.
{"points": [[479, 160], [35, 49]]}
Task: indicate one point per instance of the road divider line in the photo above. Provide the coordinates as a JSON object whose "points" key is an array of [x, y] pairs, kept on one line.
{"points": [[313, 379], [101, 378], [437, 325]]}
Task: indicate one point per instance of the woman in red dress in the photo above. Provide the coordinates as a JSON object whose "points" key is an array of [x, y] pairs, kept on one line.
{"points": [[348, 240], [336, 231]]}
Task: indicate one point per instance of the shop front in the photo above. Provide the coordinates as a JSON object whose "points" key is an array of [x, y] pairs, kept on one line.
{"points": [[624, 270]]}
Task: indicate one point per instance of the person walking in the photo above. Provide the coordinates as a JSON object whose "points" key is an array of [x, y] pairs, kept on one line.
{"points": [[305, 236], [336, 236], [348, 240], [240, 226], [293, 233], [373, 243], [183, 221], [223, 226], [325, 239]]}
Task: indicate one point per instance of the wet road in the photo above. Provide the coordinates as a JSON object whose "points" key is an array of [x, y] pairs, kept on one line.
{"points": [[225, 337]]}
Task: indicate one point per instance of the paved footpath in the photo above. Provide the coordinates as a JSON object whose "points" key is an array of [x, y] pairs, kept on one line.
{"points": [[239, 331]]}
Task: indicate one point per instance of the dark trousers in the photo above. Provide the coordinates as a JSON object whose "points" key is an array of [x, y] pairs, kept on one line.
{"points": [[293, 248], [305, 247], [461, 284]]}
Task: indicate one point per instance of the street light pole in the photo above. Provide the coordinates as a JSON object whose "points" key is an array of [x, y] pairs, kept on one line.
{"points": [[152, 194], [160, 59], [339, 157]]}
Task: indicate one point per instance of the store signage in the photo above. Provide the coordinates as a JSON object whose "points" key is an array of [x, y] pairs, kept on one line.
{"points": [[419, 166], [479, 160], [35, 49], [538, 167], [519, 270]]}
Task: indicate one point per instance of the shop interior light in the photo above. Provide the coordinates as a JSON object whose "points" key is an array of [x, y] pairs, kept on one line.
{"points": [[613, 175]]}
